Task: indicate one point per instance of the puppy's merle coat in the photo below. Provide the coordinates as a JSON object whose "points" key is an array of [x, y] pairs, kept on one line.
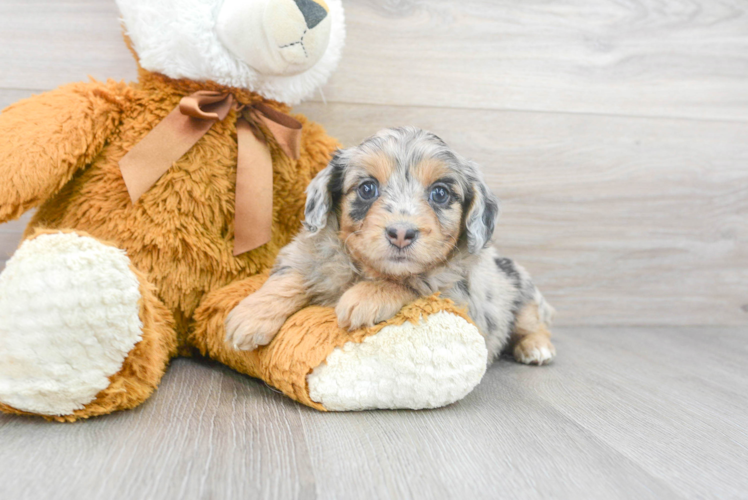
{"points": [[398, 217]]}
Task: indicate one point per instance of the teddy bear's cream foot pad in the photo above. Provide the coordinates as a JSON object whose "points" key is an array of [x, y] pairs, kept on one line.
{"points": [[428, 365], [68, 319]]}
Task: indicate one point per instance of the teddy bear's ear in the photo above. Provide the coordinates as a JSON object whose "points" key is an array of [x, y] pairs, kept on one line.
{"points": [[323, 192]]}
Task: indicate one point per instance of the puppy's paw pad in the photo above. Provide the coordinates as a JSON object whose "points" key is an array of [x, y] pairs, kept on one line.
{"points": [[248, 329], [353, 317], [534, 351], [353, 314], [248, 336], [249, 342]]}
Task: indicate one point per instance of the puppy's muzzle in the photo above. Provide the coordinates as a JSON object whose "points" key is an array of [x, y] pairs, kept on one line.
{"points": [[401, 235]]}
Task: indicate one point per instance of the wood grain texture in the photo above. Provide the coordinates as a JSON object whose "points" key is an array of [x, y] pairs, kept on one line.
{"points": [[8, 97], [622, 413], [208, 433], [635, 57], [10, 237], [686, 58], [620, 220], [44, 44], [634, 393]]}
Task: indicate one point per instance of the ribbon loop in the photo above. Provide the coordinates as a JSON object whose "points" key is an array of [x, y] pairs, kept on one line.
{"points": [[207, 105], [148, 160]]}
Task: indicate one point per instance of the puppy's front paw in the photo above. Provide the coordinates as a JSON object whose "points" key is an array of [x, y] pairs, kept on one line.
{"points": [[250, 325], [356, 310], [534, 350]]}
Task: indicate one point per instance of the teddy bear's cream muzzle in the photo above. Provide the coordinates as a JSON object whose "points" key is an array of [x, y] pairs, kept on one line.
{"points": [[275, 37]]}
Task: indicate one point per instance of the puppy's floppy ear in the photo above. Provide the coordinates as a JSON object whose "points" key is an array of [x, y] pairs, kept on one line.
{"points": [[482, 213], [322, 193]]}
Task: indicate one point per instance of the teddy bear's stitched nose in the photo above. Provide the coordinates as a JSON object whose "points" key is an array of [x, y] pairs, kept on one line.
{"points": [[312, 11]]}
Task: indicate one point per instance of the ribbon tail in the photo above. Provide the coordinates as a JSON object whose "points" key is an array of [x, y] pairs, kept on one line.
{"points": [[285, 129], [253, 207]]}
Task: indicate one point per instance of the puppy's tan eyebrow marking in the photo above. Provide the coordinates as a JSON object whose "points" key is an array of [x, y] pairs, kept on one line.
{"points": [[379, 165], [430, 170]]}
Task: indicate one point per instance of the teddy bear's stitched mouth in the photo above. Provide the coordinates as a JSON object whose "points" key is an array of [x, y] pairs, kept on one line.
{"points": [[299, 42], [313, 15]]}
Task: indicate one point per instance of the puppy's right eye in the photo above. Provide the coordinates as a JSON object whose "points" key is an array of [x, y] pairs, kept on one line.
{"points": [[368, 190], [439, 194]]}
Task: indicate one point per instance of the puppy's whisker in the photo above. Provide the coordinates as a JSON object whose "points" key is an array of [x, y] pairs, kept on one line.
{"points": [[349, 237]]}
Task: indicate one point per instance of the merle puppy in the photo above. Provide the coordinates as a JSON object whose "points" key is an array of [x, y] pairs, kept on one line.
{"points": [[398, 217]]}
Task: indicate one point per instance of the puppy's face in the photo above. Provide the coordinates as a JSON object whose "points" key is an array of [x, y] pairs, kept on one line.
{"points": [[399, 218], [403, 202]]}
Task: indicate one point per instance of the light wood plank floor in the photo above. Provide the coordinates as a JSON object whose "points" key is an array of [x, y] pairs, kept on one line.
{"points": [[628, 413], [616, 134]]}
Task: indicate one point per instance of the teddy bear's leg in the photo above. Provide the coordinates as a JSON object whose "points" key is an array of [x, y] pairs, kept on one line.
{"points": [[429, 355], [82, 332]]}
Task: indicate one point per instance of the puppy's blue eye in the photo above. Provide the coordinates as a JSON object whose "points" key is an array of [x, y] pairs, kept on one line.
{"points": [[368, 190], [439, 195]]}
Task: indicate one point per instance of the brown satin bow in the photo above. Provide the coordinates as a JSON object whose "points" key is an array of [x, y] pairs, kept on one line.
{"points": [[148, 160]]}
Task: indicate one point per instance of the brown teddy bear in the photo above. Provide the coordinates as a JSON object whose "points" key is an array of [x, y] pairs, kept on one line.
{"points": [[155, 218]]}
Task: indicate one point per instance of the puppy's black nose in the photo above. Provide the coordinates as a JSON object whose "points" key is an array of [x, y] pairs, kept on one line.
{"points": [[401, 235]]}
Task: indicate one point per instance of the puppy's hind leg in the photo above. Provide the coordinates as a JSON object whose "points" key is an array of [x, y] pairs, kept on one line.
{"points": [[530, 340]]}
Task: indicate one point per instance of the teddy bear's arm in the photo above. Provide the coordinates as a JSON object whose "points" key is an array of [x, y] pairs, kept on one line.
{"points": [[45, 139]]}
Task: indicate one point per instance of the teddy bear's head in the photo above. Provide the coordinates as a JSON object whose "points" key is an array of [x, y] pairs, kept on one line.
{"points": [[282, 49]]}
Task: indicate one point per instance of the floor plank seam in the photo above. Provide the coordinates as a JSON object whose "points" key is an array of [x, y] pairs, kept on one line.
{"points": [[328, 102], [533, 111]]}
